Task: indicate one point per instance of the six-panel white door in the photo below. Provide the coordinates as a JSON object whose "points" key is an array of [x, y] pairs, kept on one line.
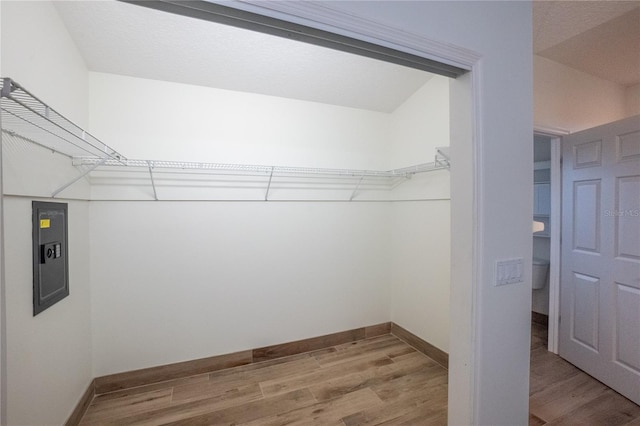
{"points": [[600, 271]]}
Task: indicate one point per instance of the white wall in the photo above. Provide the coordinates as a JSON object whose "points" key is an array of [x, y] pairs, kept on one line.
{"points": [[568, 99], [632, 100], [158, 120], [38, 52], [124, 107], [179, 281], [420, 230], [421, 124], [197, 267], [421, 248], [48, 356], [30, 170]]}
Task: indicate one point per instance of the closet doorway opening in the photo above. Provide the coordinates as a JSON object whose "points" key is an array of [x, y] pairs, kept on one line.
{"points": [[298, 103]]}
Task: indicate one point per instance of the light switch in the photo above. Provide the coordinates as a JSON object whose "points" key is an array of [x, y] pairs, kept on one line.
{"points": [[509, 271]]}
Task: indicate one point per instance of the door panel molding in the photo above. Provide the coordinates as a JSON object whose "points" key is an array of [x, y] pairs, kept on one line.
{"points": [[629, 146], [584, 312], [588, 154], [586, 219], [626, 213]]}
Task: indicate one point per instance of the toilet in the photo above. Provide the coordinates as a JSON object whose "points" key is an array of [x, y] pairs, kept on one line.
{"points": [[540, 273]]}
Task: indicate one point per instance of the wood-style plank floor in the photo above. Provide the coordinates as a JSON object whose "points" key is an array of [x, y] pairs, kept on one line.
{"points": [[561, 394], [377, 381]]}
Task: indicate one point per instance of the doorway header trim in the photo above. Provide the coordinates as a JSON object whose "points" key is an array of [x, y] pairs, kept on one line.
{"points": [[550, 131], [212, 12]]}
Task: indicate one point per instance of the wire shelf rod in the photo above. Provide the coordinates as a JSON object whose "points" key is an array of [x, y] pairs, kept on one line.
{"points": [[48, 119], [26, 139], [31, 123], [30, 104], [262, 169]]}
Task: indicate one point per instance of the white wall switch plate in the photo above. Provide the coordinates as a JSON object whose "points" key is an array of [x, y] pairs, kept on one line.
{"points": [[509, 271]]}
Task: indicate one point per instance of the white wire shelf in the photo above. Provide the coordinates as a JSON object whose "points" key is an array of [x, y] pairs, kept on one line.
{"points": [[441, 162], [191, 174], [27, 118]]}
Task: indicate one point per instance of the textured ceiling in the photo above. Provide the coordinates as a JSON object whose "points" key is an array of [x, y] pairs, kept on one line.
{"points": [[601, 38], [120, 38]]}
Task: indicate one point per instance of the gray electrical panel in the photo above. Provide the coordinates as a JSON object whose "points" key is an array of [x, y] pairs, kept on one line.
{"points": [[50, 255]]}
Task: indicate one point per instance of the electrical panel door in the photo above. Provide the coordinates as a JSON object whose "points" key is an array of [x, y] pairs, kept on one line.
{"points": [[50, 255]]}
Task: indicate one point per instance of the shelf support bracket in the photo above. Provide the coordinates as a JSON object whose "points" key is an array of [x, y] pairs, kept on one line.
{"points": [[443, 158], [86, 172], [266, 195], [7, 88], [402, 180], [355, 190], [153, 182]]}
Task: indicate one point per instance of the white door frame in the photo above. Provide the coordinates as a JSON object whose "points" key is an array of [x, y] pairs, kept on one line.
{"points": [[555, 220], [3, 307]]}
